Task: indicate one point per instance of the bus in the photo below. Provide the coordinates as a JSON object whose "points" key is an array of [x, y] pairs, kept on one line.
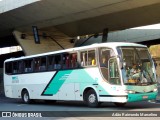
{"points": [[116, 72]]}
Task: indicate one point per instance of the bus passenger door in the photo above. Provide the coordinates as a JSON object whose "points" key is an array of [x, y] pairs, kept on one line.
{"points": [[114, 72]]}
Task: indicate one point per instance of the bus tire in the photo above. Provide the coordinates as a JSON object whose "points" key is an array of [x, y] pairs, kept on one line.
{"points": [[120, 104], [25, 97], [91, 98]]}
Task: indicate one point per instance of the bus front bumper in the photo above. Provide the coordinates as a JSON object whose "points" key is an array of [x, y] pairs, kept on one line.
{"points": [[142, 96]]}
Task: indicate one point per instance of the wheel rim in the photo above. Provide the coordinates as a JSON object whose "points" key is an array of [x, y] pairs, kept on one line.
{"points": [[26, 97], [92, 98]]}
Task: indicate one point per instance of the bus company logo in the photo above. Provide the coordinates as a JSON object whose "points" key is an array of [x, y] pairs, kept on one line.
{"points": [[65, 77], [15, 79], [6, 114]]}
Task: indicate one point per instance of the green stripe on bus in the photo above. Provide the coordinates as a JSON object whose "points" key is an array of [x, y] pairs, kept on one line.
{"points": [[80, 76], [56, 82]]}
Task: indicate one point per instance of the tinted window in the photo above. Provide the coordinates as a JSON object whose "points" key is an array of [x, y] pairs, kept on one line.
{"points": [[91, 58], [50, 62], [8, 67], [74, 63], [88, 58], [84, 58], [42, 64], [57, 64], [28, 65], [70, 60]]}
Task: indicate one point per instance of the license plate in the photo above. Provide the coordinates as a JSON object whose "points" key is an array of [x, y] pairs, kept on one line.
{"points": [[145, 97]]}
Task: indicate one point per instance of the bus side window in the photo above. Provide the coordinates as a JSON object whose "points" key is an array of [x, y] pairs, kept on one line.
{"points": [[50, 62], [91, 58], [15, 67], [20, 67], [8, 67], [37, 64], [104, 57], [74, 63], [88, 58], [42, 66], [57, 64], [69, 60], [66, 61], [28, 65], [84, 58]]}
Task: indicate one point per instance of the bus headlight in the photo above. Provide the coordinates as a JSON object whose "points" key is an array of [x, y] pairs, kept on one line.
{"points": [[130, 91], [155, 90]]}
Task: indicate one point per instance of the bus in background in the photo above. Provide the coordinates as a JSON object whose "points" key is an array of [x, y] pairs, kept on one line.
{"points": [[106, 72]]}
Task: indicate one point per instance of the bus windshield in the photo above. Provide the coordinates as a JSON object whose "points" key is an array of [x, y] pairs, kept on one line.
{"points": [[138, 67]]}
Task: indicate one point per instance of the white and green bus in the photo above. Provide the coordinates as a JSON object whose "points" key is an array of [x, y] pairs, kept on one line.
{"points": [[108, 72]]}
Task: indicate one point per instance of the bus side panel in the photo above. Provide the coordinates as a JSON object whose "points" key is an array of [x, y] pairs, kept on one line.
{"points": [[67, 92], [8, 88], [8, 91], [70, 84], [35, 84], [78, 96], [62, 85]]}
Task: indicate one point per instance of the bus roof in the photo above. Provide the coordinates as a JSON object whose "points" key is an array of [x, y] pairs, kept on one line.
{"points": [[108, 44]]}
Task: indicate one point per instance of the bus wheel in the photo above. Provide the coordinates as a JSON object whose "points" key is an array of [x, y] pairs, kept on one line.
{"points": [[120, 104], [25, 97], [91, 98]]}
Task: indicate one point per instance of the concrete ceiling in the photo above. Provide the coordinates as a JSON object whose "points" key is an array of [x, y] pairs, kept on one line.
{"points": [[79, 17]]}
